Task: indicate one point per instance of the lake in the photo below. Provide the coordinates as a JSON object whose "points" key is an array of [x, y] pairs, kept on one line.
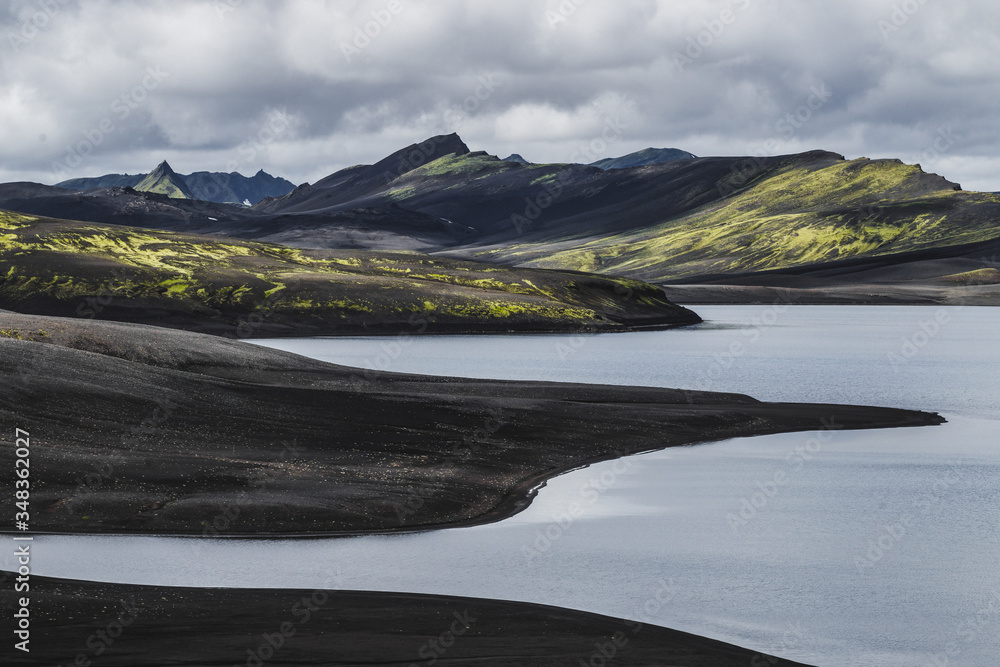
{"points": [[832, 548]]}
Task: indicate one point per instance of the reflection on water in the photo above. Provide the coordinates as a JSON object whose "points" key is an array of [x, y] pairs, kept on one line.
{"points": [[834, 548]]}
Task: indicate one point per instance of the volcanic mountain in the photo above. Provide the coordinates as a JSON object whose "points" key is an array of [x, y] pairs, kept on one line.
{"points": [[164, 181], [803, 220]]}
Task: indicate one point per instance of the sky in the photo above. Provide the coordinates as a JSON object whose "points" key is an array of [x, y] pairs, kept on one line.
{"points": [[301, 88]]}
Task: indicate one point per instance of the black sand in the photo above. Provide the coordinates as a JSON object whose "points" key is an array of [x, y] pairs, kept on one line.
{"points": [[137, 429], [139, 626]]}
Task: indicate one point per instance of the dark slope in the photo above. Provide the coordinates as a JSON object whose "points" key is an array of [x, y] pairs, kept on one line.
{"points": [[101, 182], [182, 427], [387, 227], [644, 157], [506, 201], [125, 206], [358, 182], [26, 191], [227, 626]]}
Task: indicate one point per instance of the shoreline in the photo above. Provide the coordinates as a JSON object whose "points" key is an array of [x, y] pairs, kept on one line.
{"points": [[168, 432], [930, 295], [286, 627]]}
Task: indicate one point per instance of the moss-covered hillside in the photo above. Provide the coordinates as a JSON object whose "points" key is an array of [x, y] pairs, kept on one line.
{"points": [[248, 288], [801, 215]]}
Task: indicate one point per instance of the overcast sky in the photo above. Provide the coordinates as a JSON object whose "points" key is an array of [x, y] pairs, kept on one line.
{"points": [[302, 88]]}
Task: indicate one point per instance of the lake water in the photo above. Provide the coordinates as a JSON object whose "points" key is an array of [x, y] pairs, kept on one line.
{"points": [[877, 547]]}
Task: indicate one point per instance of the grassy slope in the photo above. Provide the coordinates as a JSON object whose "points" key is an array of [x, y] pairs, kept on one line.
{"points": [[214, 284], [164, 185], [796, 217]]}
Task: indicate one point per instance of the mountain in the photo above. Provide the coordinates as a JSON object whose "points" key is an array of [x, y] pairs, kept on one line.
{"points": [[235, 187], [691, 220], [163, 181], [515, 157], [644, 157], [216, 187], [787, 221], [357, 182]]}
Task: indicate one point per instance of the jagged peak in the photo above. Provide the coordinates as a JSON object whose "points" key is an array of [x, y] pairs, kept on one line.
{"points": [[162, 169]]}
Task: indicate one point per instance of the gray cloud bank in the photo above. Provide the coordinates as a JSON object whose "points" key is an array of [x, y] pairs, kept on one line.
{"points": [[302, 88]]}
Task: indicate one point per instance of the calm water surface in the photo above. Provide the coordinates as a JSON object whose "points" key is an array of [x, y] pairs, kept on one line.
{"points": [[875, 548]]}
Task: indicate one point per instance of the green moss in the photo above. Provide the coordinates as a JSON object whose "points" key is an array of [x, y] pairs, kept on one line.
{"points": [[541, 180], [793, 217], [108, 269], [466, 165], [985, 276]]}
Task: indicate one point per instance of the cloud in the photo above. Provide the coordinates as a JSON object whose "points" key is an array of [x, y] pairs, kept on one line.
{"points": [[355, 81]]}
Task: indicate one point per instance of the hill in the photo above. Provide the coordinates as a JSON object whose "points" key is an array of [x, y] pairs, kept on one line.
{"points": [[231, 286], [644, 157]]}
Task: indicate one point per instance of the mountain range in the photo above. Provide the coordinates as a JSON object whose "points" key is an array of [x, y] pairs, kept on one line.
{"points": [[859, 230], [234, 188]]}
